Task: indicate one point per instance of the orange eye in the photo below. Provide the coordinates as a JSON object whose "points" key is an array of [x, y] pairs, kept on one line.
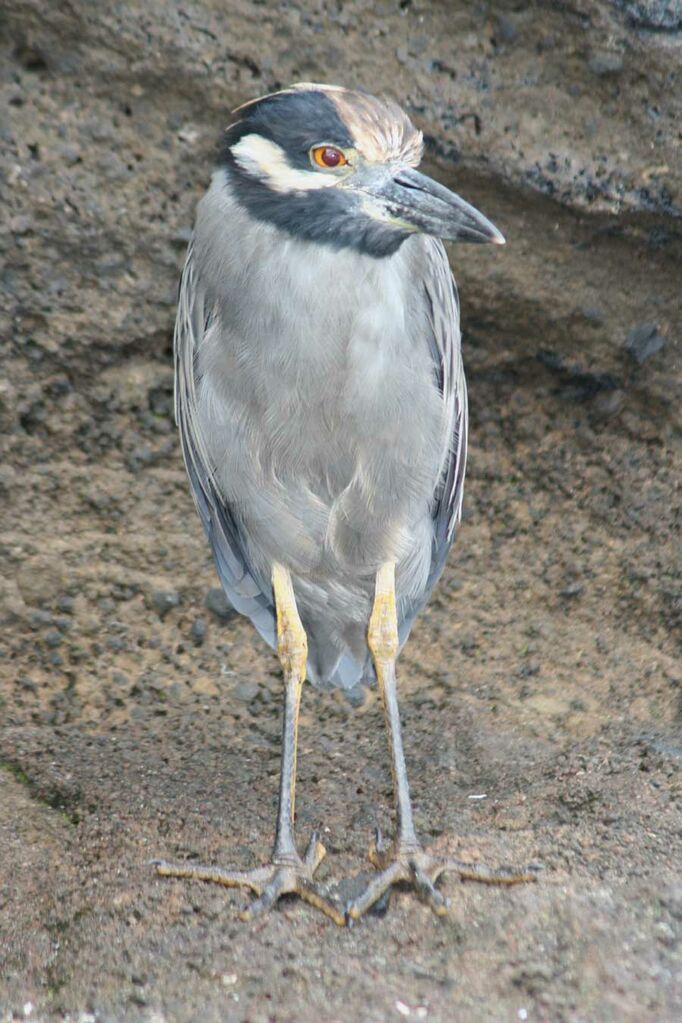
{"points": [[328, 157]]}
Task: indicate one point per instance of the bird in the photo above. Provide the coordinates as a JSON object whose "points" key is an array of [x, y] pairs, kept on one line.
{"points": [[322, 409]]}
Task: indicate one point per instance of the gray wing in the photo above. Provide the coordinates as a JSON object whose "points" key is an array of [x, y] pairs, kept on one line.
{"points": [[442, 305], [221, 524]]}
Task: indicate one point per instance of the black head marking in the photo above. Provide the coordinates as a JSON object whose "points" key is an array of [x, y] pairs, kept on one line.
{"points": [[326, 216], [296, 121]]}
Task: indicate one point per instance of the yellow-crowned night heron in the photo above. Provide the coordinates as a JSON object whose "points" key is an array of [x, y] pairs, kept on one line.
{"points": [[323, 414]]}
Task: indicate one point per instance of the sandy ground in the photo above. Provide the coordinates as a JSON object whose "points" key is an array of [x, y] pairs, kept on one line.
{"points": [[540, 691]]}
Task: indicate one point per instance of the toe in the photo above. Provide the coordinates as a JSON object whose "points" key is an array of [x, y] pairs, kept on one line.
{"points": [[427, 891], [397, 871], [268, 897], [312, 895], [487, 875]]}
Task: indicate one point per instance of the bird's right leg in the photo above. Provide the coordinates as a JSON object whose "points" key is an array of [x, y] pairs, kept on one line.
{"points": [[406, 861], [288, 873]]}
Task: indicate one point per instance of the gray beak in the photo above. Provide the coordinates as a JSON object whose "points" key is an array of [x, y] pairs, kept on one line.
{"points": [[434, 209]]}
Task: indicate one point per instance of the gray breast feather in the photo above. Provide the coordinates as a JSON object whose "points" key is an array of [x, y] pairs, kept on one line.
{"points": [[244, 586]]}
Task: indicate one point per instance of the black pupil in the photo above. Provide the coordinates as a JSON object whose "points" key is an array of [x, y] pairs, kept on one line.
{"points": [[331, 157]]}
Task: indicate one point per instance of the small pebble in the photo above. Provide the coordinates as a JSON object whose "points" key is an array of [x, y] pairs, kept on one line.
{"points": [[65, 604], [644, 341], [604, 64], [163, 601], [198, 631], [246, 692], [217, 603], [40, 618], [572, 590]]}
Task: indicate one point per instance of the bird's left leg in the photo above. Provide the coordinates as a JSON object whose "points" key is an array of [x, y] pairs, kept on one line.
{"points": [[288, 873], [405, 860]]}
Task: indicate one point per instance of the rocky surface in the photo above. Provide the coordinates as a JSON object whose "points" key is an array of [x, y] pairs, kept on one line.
{"points": [[138, 717]]}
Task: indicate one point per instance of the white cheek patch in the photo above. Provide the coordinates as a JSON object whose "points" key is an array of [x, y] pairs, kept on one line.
{"points": [[264, 159]]}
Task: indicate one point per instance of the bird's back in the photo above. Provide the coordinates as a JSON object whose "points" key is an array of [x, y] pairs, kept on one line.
{"points": [[322, 408]]}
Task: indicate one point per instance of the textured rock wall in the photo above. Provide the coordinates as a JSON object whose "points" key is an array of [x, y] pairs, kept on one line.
{"points": [[562, 123]]}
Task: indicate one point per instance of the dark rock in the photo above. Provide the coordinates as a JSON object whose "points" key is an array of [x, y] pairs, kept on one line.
{"points": [[65, 604], [218, 604], [246, 692], [505, 28], [644, 341], [161, 401], [593, 313], [604, 64], [572, 590], [656, 15], [163, 601], [39, 619], [609, 404], [671, 898], [140, 458], [198, 631], [575, 383]]}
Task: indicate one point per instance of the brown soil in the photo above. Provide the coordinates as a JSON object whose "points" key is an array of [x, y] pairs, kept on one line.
{"points": [[544, 676]]}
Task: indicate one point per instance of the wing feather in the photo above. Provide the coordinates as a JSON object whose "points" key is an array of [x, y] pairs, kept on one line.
{"points": [[442, 305], [243, 589]]}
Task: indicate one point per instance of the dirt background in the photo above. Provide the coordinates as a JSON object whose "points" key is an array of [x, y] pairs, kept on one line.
{"points": [[137, 718]]}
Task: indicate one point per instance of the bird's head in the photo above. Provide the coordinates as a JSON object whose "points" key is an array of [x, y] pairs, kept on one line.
{"points": [[337, 167]]}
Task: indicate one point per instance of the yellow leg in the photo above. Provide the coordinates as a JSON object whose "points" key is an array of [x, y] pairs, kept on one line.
{"points": [[292, 650], [292, 643], [382, 635]]}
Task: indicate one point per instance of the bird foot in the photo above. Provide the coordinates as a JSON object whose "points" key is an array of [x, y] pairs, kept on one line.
{"points": [[291, 876], [415, 867]]}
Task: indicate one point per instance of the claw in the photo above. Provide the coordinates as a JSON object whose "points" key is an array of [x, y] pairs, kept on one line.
{"points": [[377, 851], [315, 852]]}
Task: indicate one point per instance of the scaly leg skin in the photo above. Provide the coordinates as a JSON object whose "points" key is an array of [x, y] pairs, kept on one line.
{"points": [[406, 861], [288, 873]]}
